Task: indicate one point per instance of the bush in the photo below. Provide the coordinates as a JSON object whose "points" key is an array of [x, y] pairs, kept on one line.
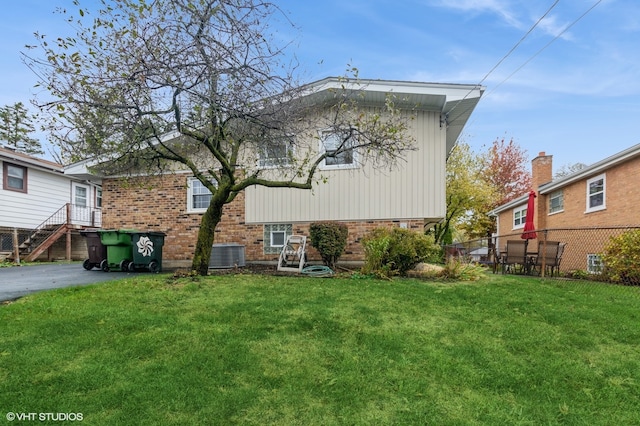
{"points": [[454, 269], [621, 258], [330, 239], [396, 251]]}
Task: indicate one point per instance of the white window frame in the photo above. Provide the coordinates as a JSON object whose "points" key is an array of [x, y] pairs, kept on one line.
{"points": [[81, 200], [523, 216], [554, 196], [267, 162], [271, 229], [594, 263], [99, 198], [324, 136], [273, 235], [590, 194], [194, 183]]}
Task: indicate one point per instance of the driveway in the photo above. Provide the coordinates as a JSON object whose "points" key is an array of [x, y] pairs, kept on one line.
{"points": [[19, 281]]}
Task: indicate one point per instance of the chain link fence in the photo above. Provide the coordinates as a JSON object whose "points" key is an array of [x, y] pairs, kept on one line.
{"points": [[584, 254]]}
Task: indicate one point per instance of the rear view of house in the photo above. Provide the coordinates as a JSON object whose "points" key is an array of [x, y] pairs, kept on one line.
{"points": [[409, 195], [41, 208]]}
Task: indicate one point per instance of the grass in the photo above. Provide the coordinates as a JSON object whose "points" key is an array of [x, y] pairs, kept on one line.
{"points": [[249, 349]]}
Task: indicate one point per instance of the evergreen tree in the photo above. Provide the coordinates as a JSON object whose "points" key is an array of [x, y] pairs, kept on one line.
{"points": [[16, 124]]}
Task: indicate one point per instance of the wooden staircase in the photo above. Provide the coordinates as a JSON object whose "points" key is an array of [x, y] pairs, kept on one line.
{"points": [[41, 240], [51, 230]]}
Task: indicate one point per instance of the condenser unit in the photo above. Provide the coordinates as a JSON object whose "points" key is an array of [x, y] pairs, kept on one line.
{"points": [[226, 256]]}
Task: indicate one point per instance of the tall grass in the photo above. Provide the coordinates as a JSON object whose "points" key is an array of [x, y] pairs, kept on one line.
{"points": [[250, 349]]}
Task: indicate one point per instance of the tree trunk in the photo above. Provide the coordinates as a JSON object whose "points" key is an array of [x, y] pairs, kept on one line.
{"points": [[206, 235]]}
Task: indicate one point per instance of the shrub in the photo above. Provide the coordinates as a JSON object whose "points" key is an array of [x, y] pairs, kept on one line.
{"points": [[454, 269], [621, 258], [330, 239], [396, 251]]}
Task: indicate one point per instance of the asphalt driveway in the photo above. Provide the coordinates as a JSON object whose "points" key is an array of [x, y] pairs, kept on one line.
{"points": [[19, 281]]}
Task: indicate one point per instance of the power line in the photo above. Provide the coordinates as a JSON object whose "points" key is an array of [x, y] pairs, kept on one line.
{"points": [[533, 56], [519, 42], [545, 46], [506, 56]]}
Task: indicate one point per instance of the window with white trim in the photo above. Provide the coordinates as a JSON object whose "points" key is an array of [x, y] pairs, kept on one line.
{"points": [[80, 196], [594, 263], [276, 153], [519, 217], [596, 193], [99, 197], [14, 177], [330, 142], [275, 237], [556, 201], [198, 196]]}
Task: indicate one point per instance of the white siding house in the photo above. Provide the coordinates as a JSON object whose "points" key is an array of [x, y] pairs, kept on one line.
{"points": [[34, 191]]}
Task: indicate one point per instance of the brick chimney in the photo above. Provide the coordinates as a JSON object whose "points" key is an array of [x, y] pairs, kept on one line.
{"points": [[541, 170], [541, 173]]}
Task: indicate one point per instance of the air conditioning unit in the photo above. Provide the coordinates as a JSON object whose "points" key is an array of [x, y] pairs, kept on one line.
{"points": [[226, 256]]}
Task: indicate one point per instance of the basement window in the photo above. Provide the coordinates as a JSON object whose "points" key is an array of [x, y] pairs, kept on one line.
{"points": [[594, 264], [275, 237]]}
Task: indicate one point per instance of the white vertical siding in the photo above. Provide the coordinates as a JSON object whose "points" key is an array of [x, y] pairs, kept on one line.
{"points": [[46, 193], [414, 189]]}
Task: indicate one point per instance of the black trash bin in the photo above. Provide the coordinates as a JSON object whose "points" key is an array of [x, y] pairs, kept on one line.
{"points": [[97, 251], [147, 251]]}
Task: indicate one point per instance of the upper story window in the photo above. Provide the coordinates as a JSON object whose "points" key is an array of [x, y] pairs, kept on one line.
{"points": [[556, 201], [596, 193], [14, 177], [331, 143], [80, 196], [276, 153], [519, 217], [99, 197], [198, 196]]}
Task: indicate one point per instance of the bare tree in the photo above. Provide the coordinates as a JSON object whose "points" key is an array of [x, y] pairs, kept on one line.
{"points": [[206, 85], [568, 169]]}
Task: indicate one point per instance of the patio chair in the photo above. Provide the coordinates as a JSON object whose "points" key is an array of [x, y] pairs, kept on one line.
{"points": [[494, 258], [556, 267], [515, 256], [550, 254]]}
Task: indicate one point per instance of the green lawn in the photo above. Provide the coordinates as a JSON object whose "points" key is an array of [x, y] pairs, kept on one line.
{"points": [[250, 349]]}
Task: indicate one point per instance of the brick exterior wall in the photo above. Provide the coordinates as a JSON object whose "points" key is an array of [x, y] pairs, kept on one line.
{"points": [[622, 196], [160, 204], [621, 200]]}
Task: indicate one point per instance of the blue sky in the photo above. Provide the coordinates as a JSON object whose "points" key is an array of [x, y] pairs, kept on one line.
{"points": [[571, 88]]}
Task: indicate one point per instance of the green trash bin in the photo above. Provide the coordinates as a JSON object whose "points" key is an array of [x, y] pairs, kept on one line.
{"points": [[119, 249], [147, 251]]}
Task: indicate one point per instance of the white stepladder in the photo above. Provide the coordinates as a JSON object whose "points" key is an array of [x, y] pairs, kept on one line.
{"points": [[293, 255]]}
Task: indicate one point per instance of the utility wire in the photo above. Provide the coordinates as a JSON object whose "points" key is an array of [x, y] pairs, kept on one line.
{"points": [[505, 57], [531, 58], [545, 46], [519, 42]]}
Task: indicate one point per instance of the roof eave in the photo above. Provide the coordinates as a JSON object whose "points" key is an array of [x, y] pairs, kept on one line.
{"points": [[591, 170]]}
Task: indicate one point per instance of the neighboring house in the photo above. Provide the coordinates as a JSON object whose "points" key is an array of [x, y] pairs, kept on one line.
{"points": [[36, 195], [582, 209], [260, 219]]}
